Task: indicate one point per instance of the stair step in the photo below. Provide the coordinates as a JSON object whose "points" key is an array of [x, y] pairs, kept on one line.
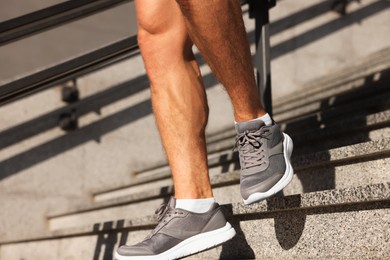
{"points": [[282, 223], [346, 80], [334, 156], [371, 112], [332, 108], [323, 132], [313, 172], [356, 128], [368, 149], [226, 190], [341, 130]]}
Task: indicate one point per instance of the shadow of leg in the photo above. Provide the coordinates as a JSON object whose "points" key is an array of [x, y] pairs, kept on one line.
{"points": [[289, 228], [238, 247], [289, 225]]}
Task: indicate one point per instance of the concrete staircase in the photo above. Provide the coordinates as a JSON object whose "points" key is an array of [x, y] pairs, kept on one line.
{"points": [[336, 207]]}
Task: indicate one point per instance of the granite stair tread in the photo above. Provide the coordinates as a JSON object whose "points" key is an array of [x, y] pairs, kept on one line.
{"points": [[337, 106], [350, 125], [338, 156], [321, 199]]}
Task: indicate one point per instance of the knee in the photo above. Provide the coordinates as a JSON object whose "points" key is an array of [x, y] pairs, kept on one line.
{"points": [[147, 30], [163, 43], [161, 27], [156, 38], [151, 29]]}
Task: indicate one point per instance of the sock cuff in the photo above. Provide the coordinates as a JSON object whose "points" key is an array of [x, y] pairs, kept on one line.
{"points": [[195, 205], [265, 118]]}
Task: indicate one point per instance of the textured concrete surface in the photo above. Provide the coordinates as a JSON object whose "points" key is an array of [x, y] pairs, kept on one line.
{"points": [[348, 195], [350, 78], [353, 129], [308, 178], [332, 156], [227, 191], [341, 176], [131, 210], [309, 235], [319, 42], [324, 111], [342, 199], [359, 231]]}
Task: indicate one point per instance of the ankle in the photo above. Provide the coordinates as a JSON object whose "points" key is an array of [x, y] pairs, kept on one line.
{"points": [[266, 118], [243, 117], [195, 194]]}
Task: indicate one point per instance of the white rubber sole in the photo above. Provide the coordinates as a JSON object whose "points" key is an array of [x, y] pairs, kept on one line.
{"points": [[191, 245], [283, 182]]}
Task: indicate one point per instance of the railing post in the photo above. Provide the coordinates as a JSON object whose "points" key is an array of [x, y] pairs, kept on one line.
{"points": [[259, 10]]}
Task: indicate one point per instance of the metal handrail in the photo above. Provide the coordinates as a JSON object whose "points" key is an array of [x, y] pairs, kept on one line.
{"points": [[68, 70], [47, 18]]}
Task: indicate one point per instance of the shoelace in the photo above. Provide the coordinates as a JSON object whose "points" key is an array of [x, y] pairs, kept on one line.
{"points": [[164, 213], [161, 211], [251, 148]]}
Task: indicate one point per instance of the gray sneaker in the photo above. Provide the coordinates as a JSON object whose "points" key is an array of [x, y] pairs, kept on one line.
{"points": [[264, 153], [180, 233]]}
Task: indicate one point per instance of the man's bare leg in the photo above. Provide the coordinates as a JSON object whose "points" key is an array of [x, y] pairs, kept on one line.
{"points": [[217, 29], [180, 106], [178, 95]]}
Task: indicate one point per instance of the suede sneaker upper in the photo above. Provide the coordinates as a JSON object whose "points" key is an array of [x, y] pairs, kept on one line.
{"points": [[180, 233], [264, 153]]}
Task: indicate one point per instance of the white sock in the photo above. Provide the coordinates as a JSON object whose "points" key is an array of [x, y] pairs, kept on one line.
{"points": [[195, 205], [266, 119]]}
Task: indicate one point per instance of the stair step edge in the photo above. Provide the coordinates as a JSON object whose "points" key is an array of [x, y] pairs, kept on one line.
{"points": [[355, 151], [316, 108], [333, 128], [328, 198], [300, 163]]}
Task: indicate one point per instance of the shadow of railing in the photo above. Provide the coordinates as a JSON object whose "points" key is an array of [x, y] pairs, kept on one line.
{"points": [[323, 30], [106, 242]]}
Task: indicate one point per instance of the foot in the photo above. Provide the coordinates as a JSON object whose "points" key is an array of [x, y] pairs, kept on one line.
{"points": [[264, 153], [180, 233]]}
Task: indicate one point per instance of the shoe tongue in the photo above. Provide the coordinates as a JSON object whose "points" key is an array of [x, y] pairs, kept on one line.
{"points": [[172, 203], [253, 125]]}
